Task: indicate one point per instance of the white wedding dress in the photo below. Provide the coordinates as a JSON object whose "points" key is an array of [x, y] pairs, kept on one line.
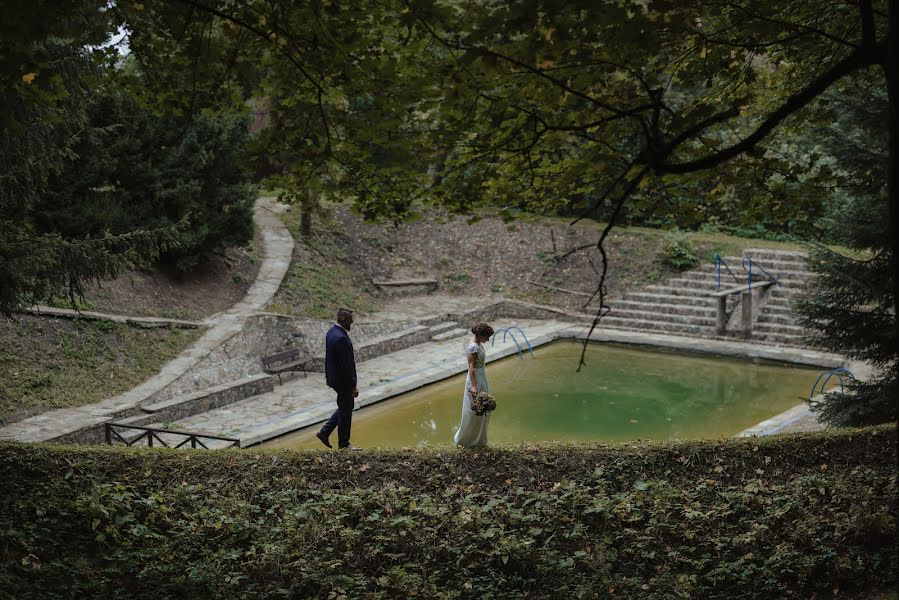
{"points": [[472, 432]]}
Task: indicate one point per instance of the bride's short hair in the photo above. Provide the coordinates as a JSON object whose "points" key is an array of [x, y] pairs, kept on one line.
{"points": [[482, 329]]}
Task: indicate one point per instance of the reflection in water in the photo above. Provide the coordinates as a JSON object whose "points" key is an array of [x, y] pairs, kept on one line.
{"points": [[622, 394]]}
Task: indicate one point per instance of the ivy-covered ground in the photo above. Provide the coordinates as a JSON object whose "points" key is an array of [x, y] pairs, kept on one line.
{"points": [[801, 516]]}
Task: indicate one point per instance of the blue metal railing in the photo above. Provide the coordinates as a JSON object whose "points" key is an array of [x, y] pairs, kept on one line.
{"points": [[718, 261], [508, 330], [760, 268], [840, 373]]}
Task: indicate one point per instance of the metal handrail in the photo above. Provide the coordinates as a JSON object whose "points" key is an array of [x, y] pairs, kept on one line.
{"points": [[153, 432], [839, 372], [510, 328], [505, 331], [718, 261], [760, 267]]}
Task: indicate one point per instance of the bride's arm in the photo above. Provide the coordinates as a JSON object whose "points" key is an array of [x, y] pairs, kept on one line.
{"points": [[474, 382]]}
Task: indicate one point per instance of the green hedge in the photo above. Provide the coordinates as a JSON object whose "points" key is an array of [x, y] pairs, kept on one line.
{"points": [[803, 516]]}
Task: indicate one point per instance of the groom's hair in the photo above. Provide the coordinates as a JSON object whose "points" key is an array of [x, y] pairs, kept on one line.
{"points": [[342, 313]]}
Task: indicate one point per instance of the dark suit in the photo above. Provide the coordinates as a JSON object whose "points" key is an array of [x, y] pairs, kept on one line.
{"points": [[340, 375]]}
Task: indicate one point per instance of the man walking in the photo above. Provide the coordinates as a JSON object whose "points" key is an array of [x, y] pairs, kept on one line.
{"points": [[340, 375]]}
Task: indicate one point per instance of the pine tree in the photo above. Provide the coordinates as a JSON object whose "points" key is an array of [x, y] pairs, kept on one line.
{"points": [[850, 300]]}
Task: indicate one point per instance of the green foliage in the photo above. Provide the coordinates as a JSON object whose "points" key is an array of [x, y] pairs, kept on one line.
{"points": [[558, 109], [135, 170], [678, 250], [797, 516], [850, 303], [47, 75]]}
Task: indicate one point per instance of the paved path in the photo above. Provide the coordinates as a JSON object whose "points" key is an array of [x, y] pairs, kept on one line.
{"points": [[277, 251]]}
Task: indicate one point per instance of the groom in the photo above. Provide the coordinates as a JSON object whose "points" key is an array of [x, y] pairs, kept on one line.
{"points": [[340, 375]]}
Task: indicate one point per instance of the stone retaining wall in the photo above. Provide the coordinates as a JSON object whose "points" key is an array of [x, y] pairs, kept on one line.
{"points": [[263, 334], [182, 407]]}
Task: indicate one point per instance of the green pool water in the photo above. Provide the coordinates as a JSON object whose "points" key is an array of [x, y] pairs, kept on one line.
{"points": [[622, 394]]}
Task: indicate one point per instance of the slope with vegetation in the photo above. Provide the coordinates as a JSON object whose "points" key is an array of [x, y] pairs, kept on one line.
{"points": [[57, 363], [478, 256]]}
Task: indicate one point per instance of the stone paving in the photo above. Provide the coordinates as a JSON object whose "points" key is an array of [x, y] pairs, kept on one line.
{"points": [[277, 254]]}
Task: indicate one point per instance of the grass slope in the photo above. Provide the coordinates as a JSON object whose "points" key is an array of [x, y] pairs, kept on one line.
{"points": [[54, 363], [802, 516]]}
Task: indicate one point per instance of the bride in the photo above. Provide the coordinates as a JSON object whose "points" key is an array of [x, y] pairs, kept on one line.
{"points": [[472, 432]]}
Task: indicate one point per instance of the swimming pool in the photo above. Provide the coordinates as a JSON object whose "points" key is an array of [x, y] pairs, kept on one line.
{"points": [[624, 393]]}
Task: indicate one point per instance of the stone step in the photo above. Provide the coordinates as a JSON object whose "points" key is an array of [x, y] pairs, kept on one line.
{"points": [[658, 326], [657, 298], [779, 339], [643, 315], [787, 291], [442, 326], [782, 318], [660, 307], [777, 309], [709, 277], [731, 261], [451, 334], [759, 253], [787, 277], [675, 290], [778, 328], [705, 285]]}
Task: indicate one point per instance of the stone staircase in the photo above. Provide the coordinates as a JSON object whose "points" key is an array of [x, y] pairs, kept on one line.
{"points": [[682, 305], [446, 330]]}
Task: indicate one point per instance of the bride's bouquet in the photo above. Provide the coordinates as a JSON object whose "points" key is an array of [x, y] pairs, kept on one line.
{"points": [[483, 403]]}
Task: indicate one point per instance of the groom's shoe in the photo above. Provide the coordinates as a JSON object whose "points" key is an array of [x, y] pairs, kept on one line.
{"points": [[350, 447], [323, 438]]}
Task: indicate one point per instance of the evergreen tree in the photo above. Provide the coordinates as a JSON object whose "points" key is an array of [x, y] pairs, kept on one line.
{"points": [[137, 170], [850, 301], [44, 115]]}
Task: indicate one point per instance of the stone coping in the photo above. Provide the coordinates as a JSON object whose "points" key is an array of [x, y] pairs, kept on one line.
{"points": [[780, 422], [718, 347]]}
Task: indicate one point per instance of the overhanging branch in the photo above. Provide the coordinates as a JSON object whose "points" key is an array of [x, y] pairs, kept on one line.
{"points": [[855, 61]]}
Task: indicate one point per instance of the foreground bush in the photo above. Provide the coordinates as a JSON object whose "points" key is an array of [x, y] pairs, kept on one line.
{"points": [[793, 516]]}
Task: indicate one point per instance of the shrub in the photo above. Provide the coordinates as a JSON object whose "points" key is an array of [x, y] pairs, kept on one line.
{"points": [[678, 250]]}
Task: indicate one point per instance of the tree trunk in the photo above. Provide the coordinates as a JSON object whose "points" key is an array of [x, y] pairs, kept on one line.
{"points": [[306, 215], [892, 73], [305, 223]]}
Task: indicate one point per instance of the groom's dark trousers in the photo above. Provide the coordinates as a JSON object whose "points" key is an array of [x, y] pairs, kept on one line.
{"points": [[340, 375]]}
